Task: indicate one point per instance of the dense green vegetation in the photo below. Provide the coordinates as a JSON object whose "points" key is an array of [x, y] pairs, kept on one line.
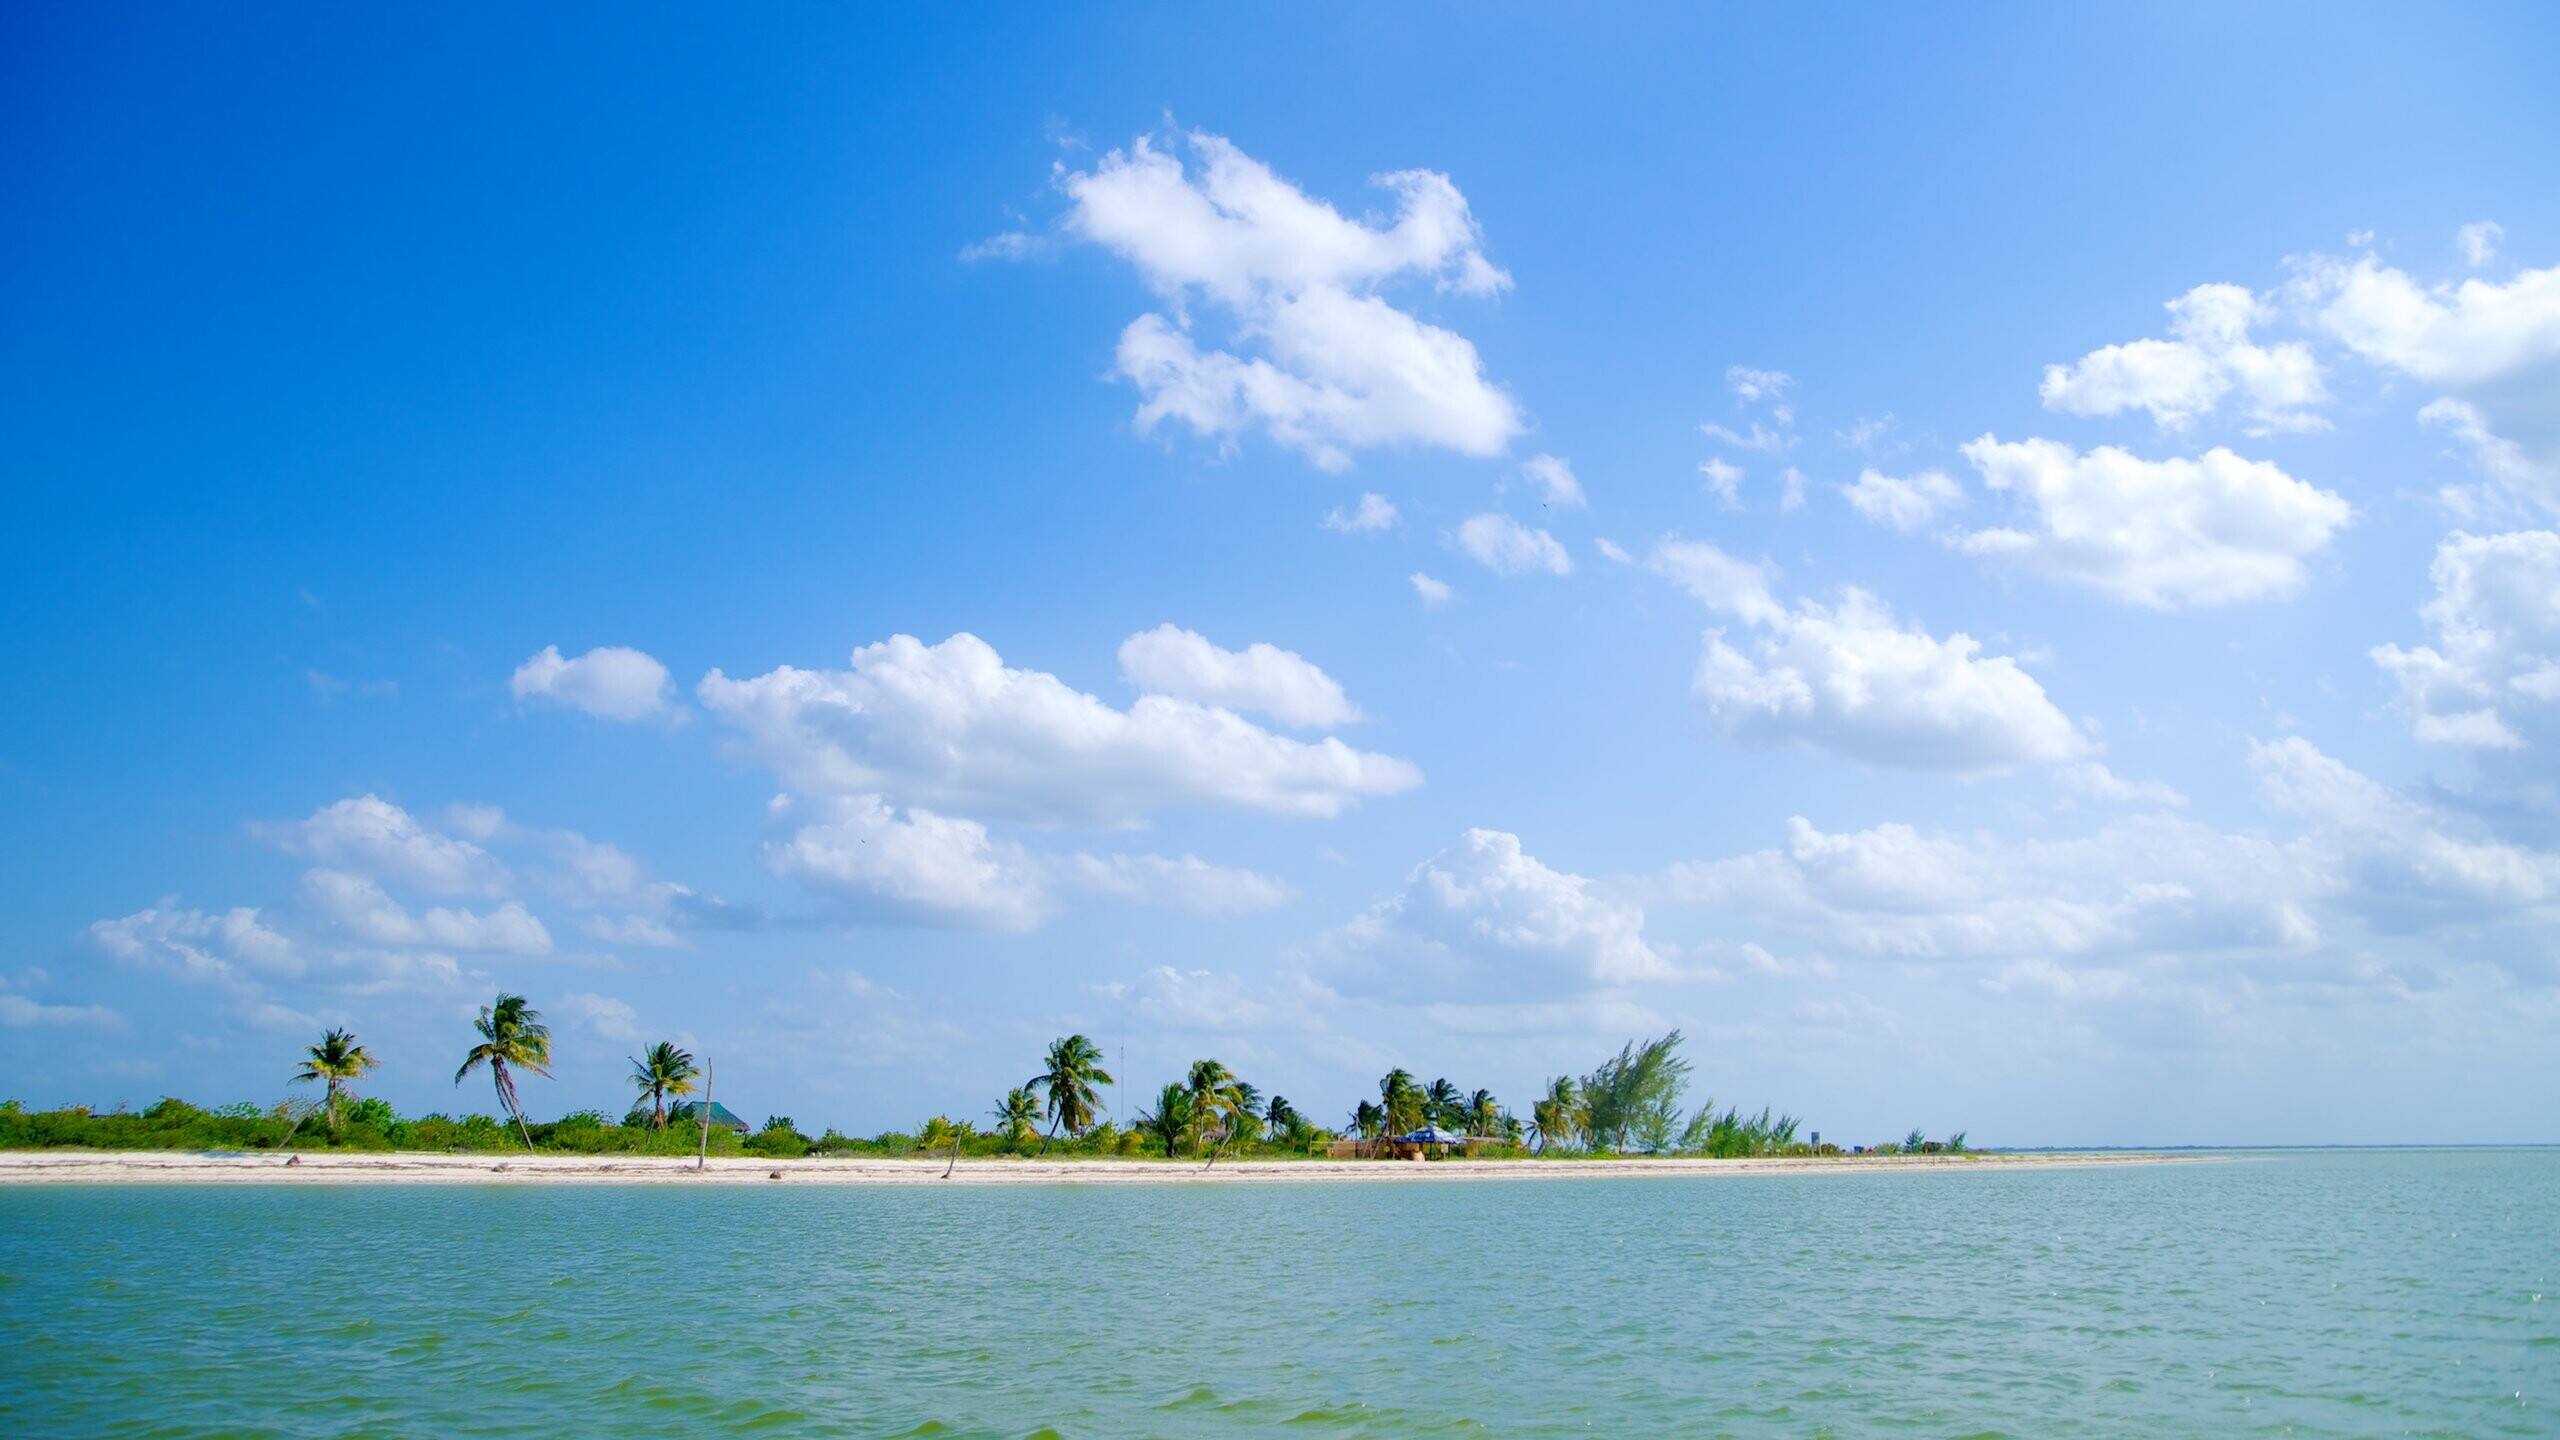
{"points": [[1632, 1104]]}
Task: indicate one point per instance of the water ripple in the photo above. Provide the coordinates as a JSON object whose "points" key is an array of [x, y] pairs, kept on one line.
{"points": [[2301, 1294]]}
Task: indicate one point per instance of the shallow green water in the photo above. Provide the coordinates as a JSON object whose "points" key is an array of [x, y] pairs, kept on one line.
{"points": [[2305, 1294]]}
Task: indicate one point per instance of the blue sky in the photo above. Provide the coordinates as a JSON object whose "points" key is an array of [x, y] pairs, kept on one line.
{"points": [[1995, 568]]}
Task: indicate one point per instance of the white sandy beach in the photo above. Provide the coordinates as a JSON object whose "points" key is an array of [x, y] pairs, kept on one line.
{"points": [[64, 1167]]}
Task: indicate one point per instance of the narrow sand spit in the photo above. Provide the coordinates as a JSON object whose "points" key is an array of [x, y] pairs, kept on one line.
{"points": [[68, 1167]]}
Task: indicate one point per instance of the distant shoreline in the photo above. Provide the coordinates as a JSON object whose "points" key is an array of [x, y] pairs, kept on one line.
{"points": [[68, 1167]]}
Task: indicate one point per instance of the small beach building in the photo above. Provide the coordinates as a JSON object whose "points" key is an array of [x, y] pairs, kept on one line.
{"points": [[1414, 1146], [689, 1112]]}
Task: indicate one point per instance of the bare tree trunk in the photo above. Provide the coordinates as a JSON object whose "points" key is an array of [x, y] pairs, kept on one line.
{"points": [[955, 1156], [702, 1156], [289, 1132]]}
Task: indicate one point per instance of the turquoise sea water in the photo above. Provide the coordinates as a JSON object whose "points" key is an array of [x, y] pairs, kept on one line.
{"points": [[2370, 1293]]}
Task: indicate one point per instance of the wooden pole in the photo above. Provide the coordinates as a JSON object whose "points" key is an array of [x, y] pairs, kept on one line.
{"points": [[702, 1156]]}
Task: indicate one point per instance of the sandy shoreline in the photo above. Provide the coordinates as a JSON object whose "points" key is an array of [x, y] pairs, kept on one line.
{"points": [[71, 1167]]}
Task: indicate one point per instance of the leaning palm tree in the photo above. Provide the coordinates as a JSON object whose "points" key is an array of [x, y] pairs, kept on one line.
{"points": [[1483, 1114], [662, 1072], [512, 1037], [337, 1059], [1067, 1085]]}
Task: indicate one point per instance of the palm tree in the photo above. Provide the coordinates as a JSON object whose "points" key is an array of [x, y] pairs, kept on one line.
{"points": [[512, 1037], [1400, 1102], [1219, 1103], [1483, 1115], [664, 1071], [337, 1059], [1075, 1068], [942, 1130], [1247, 1123], [1280, 1118], [1558, 1116], [1441, 1105], [1170, 1121], [1368, 1118], [1018, 1116]]}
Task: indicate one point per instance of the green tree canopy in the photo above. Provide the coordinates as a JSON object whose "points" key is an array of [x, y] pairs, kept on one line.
{"points": [[336, 1060]]}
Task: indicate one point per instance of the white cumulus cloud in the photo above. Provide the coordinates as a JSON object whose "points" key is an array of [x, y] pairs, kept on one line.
{"points": [[1851, 678], [2181, 379], [1322, 361], [368, 912], [1556, 481], [197, 944], [1904, 502], [2478, 242], [952, 728], [370, 834], [2148, 895], [2493, 673], [2150, 882], [2492, 347], [1260, 678], [1492, 908], [1507, 547], [2214, 530], [916, 868], [612, 682], [2402, 862], [1374, 513], [1724, 479], [1753, 385]]}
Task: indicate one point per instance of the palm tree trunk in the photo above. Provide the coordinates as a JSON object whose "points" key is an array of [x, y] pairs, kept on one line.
{"points": [[507, 1097], [333, 1104], [955, 1156]]}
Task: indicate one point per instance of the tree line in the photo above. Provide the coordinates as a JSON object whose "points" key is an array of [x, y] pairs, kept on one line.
{"points": [[1632, 1103]]}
